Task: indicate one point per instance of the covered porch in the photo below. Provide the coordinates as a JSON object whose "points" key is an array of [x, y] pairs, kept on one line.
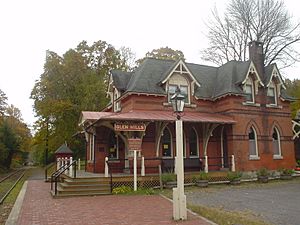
{"points": [[111, 136]]}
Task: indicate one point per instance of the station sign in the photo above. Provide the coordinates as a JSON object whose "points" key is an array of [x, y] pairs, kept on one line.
{"points": [[135, 144], [129, 127]]}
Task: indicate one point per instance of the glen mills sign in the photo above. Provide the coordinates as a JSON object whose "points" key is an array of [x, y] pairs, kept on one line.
{"points": [[134, 144], [130, 127]]}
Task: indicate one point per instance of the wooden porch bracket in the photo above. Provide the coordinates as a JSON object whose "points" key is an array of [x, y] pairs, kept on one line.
{"points": [[207, 129], [159, 128]]}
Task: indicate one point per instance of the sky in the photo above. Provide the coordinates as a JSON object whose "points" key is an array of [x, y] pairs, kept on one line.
{"points": [[29, 28]]}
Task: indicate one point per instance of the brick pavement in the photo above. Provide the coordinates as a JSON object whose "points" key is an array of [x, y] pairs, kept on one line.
{"points": [[40, 208]]}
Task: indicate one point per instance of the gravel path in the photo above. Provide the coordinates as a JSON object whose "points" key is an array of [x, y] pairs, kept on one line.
{"points": [[275, 202]]}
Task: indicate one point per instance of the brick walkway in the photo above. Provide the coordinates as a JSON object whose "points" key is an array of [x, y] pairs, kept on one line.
{"points": [[40, 208]]}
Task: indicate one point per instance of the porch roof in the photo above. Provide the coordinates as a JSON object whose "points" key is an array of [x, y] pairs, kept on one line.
{"points": [[156, 116]]}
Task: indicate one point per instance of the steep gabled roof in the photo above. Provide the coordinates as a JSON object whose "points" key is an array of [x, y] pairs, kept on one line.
{"points": [[63, 149], [269, 74], [120, 79], [229, 78], [215, 81]]}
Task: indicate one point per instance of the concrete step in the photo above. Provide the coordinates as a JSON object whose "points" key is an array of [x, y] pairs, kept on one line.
{"points": [[86, 181], [64, 194], [83, 186], [86, 191]]}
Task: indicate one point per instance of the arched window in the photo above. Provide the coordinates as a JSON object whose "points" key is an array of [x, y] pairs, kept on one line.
{"points": [[166, 143], [276, 143], [113, 146], [249, 91], [193, 143], [253, 151]]}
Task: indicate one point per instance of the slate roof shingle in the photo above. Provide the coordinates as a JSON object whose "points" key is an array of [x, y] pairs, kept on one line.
{"points": [[215, 81]]}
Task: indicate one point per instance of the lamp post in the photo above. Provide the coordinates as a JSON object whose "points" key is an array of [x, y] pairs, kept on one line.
{"points": [[179, 198]]}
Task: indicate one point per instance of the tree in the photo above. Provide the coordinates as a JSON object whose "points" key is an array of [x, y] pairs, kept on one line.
{"points": [[244, 21], [293, 89], [9, 144], [3, 103], [72, 83], [163, 53]]}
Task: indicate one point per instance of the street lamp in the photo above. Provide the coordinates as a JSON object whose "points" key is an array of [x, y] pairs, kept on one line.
{"points": [[179, 199]]}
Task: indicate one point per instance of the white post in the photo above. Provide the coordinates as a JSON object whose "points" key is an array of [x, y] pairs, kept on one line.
{"points": [[106, 167], [71, 167], [143, 167], [79, 164], [57, 163], [179, 198], [232, 163], [206, 164], [175, 163], [66, 164], [134, 171]]}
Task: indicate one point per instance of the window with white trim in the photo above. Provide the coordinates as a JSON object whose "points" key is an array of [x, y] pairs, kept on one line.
{"points": [[180, 81], [276, 143], [249, 91], [117, 104], [166, 143], [253, 151], [193, 143], [91, 146], [113, 146], [272, 97]]}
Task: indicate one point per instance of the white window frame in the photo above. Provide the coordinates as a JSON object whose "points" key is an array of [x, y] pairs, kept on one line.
{"points": [[277, 156], [179, 85], [256, 155], [275, 94], [117, 103], [197, 142], [250, 82]]}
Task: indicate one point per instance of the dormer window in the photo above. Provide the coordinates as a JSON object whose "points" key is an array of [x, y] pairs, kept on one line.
{"points": [[178, 81], [116, 102], [249, 91], [272, 98], [183, 90]]}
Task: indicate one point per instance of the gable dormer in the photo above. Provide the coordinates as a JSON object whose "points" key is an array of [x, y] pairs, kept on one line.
{"points": [[180, 76], [251, 84], [275, 84]]}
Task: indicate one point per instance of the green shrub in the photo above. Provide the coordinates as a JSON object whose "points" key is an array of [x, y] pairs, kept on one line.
{"points": [[121, 190], [262, 172], [127, 190], [234, 175], [168, 177], [201, 176], [285, 171]]}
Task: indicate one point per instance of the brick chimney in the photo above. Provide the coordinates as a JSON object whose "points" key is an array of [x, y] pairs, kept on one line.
{"points": [[256, 55]]}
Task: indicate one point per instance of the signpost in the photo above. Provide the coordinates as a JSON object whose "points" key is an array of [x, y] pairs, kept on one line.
{"points": [[134, 144]]}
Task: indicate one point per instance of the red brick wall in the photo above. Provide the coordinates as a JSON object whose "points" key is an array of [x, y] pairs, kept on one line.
{"points": [[261, 117]]}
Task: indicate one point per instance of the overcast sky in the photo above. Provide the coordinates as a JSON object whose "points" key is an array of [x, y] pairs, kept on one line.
{"points": [[30, 27]]}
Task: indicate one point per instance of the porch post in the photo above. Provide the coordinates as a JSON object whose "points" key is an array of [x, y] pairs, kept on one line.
{"points": [[206, 164], [134, 171], [71, 167], [57, 163], [232, 163], [222, 147], [66, 164], [106, 167], [79, 164], [143, 167]]}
